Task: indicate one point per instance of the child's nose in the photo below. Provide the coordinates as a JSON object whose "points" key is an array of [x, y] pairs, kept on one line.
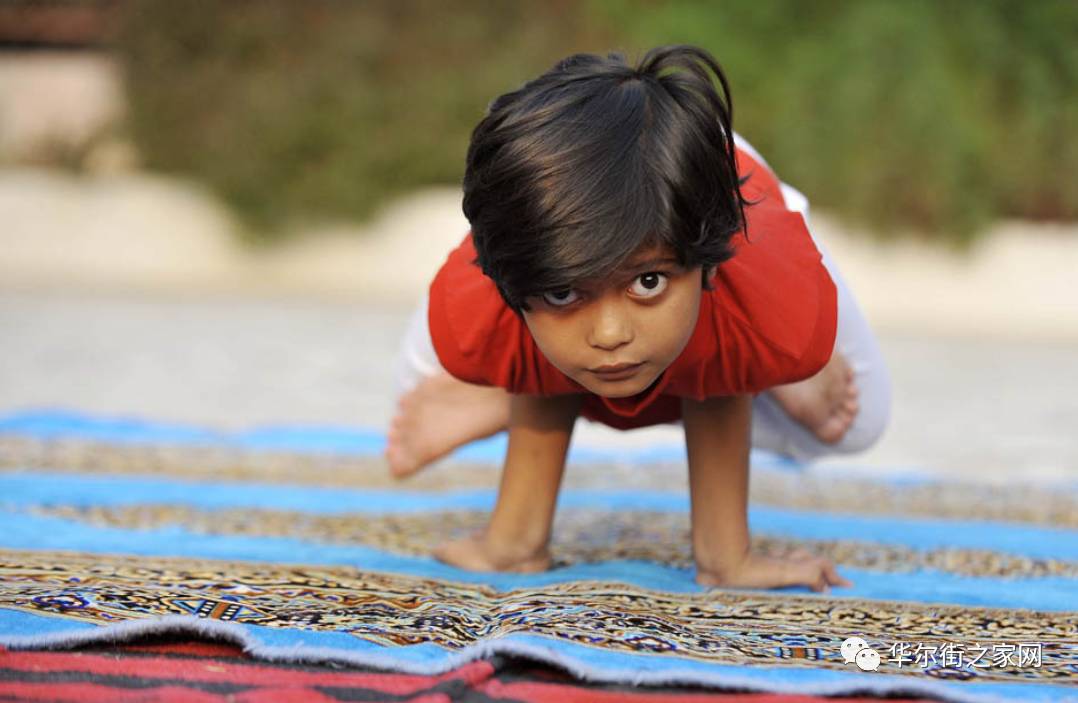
{"points": [[611, 326]]}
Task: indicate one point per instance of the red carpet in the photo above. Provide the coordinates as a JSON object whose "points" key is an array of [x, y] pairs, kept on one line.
{"points": [[203, 672]]}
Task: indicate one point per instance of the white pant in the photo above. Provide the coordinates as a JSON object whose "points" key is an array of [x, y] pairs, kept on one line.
{"points": [[772, 428]]}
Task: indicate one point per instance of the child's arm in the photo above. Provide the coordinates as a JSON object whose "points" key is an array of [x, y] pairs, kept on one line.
{"points": [[717, 437], [519, 529]]}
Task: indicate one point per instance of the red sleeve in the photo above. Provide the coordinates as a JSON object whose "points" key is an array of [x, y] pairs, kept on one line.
{"points": [[455, 285], [775, 310], [478, 338]]}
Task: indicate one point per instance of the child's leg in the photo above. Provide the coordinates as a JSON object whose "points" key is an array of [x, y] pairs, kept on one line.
{"points": [[779, 421], [807, 420], [429, 423]]}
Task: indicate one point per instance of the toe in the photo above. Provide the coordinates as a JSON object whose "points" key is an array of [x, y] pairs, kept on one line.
{"points": [[832, 430], [399, 470], [406, 401], [836, 426], [398, 460]]}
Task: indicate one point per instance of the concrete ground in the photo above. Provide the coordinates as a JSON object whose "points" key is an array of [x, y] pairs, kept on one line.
{"points": [[991, 410]]}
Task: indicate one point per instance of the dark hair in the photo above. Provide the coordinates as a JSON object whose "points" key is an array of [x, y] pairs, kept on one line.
{"points": [[572, 173]]}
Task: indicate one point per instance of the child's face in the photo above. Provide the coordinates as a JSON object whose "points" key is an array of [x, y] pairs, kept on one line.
{"points": [[644, 315]]}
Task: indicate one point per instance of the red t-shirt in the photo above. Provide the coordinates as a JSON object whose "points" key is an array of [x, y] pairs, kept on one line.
{"points": [[770, 320]]}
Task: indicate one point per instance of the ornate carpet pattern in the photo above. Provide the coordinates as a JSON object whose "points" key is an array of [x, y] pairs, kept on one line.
{"points": [[304, 552]]}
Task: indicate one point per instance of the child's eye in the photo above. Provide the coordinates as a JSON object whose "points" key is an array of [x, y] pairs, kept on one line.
{"points": [[650, 284], [560, 298]]}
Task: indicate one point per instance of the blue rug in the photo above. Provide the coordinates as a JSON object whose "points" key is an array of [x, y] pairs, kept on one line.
{"points": [[295, 544]]}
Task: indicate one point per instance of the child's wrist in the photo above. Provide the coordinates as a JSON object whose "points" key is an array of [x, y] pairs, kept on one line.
{"points": [[721, 565], [507, 549]]}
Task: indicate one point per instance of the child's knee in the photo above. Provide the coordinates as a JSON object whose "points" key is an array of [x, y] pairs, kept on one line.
{"points": [[866, 430], [860, 439]]}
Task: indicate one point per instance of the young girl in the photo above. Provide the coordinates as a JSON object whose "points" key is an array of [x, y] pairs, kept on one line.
{"points": [[632, 260]]}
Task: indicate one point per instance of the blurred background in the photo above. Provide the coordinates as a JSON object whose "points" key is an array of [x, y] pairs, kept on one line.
{"points": [[221, 213]]}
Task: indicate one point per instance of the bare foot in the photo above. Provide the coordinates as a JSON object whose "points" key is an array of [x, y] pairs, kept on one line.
{"points": [[478, 553], [797, 568], [825, 404], [439, 415]]}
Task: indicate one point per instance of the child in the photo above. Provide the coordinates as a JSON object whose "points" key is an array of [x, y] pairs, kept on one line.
{"points": [[633, 261]]}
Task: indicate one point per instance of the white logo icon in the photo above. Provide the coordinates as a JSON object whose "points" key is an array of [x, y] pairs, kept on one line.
{"points": [[868, 660], [856, 651]]}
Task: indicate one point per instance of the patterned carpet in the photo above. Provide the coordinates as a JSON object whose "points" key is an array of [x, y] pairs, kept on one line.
{"points": [[297, 552]]}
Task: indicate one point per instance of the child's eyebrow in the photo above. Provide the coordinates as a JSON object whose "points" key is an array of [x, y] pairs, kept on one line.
{"points": [[649, 263]]}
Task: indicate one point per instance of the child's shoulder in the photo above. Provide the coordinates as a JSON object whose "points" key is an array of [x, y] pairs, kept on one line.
{"points": [[464, 309], [773, 304], [478, 338], [776, 282]]}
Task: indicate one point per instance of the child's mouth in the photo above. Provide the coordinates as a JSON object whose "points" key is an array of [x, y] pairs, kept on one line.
{"points": [[616, 373]]}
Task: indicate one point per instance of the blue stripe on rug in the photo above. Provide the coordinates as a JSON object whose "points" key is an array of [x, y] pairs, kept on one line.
{"points": [[42, 488], [331, 440], [37, 532], [53, 424]]}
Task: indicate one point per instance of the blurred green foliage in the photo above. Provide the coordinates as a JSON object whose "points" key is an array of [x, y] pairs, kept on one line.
{"points": [[932, 115], [321, 109]]}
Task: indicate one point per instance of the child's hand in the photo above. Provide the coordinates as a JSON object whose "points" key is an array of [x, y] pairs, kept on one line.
{"points": [[798, 568]]}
